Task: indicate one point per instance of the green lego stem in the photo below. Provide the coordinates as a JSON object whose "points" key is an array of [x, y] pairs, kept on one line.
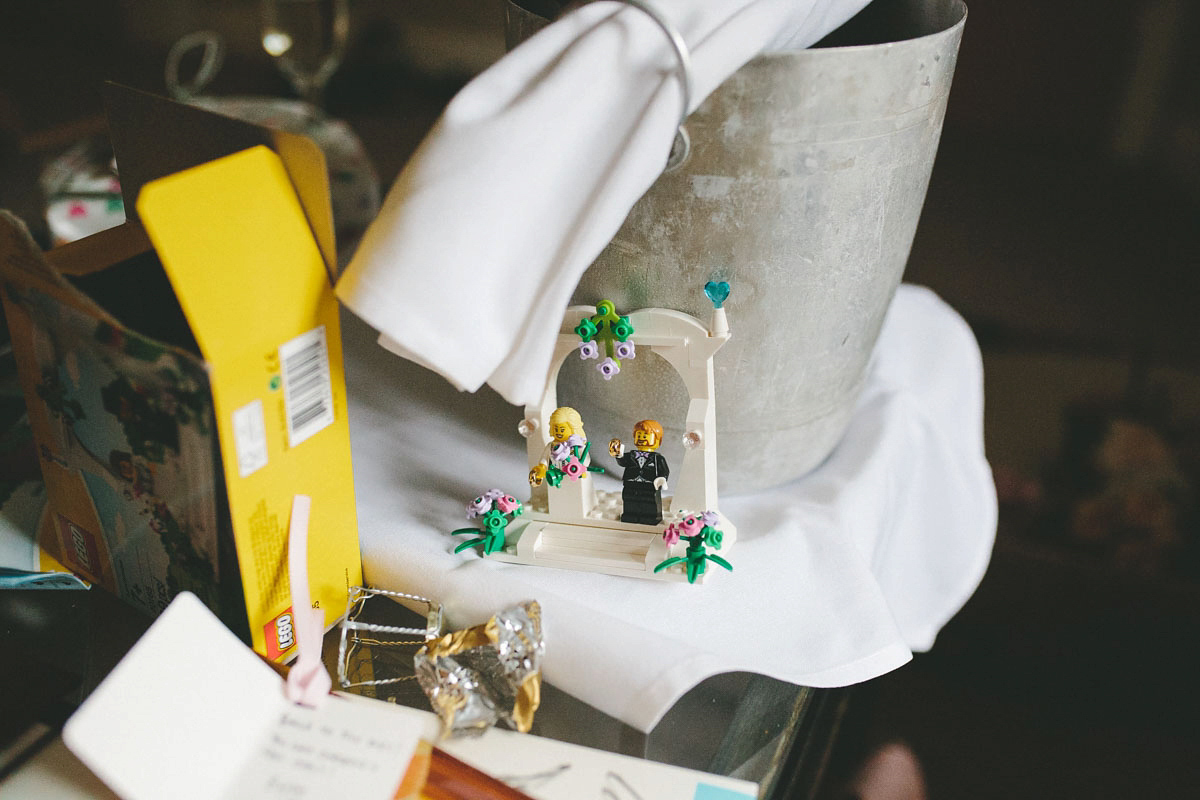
{"points": [[464, 530], [470, 543], [602, 321]]}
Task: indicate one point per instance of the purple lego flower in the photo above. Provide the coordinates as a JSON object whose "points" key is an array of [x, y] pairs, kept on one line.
{"points": [[575, 440], [588, 350], [608, 368], [479, 505], [493, 494], [625, 350], [559, 451], [710, 519]]}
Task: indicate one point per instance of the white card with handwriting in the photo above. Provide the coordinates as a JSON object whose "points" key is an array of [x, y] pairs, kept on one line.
{"points": [[191, 713]]}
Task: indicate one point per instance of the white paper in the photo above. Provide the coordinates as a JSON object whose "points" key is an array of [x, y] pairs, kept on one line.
{"points": [[191, 713], [179, 713], [550, 770], [546, 769]]}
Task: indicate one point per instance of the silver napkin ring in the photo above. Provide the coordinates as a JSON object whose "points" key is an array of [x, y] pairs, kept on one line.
{"points": [[681, 148]]}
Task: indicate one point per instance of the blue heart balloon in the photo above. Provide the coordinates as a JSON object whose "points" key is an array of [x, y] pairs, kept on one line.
{"points": [[717, 292]]}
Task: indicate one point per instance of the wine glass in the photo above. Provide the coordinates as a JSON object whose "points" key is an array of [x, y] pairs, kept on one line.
{"points": [[307, 39]]}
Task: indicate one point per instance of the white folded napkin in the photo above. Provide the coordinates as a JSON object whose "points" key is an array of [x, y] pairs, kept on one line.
{"points": [[531, 170], [836, 577]]}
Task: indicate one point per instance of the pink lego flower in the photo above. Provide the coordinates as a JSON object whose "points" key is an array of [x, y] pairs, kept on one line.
{"points": [[671, 535], [573, 468], [507, 503]]}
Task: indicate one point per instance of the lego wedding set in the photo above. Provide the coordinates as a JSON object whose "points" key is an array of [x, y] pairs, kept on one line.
{"points": [[638, 532]]}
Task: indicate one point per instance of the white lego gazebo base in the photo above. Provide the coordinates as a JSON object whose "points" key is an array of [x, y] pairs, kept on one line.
{"points": [[602, 543]]}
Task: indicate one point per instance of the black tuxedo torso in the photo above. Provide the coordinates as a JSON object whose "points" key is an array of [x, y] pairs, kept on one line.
{"points": [[641, 502], [643, 466]]}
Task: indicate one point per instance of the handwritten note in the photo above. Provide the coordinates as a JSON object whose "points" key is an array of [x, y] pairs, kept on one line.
{"points": [[341, 749]]}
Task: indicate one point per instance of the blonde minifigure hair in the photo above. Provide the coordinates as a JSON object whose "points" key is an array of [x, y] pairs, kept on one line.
{"points": [[569, 416]]}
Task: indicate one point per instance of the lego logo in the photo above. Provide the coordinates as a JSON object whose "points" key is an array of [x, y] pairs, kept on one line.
{"points": [[285, 634], [279, 634], [79, 544]]}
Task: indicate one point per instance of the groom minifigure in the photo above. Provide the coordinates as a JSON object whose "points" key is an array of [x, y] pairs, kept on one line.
{"points": [[645, 474]]}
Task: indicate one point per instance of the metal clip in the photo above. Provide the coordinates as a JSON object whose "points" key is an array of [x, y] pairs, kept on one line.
{"points": [[357, 634]]}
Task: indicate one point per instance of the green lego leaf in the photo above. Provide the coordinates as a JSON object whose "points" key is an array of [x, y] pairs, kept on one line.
{"points": [[721, 561]]}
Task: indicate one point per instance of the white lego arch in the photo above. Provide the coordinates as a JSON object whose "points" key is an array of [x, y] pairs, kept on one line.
{"points": [[687, 346]]}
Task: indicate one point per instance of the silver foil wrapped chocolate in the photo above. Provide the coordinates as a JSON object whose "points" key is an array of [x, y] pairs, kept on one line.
{"points": [[490, 673]]}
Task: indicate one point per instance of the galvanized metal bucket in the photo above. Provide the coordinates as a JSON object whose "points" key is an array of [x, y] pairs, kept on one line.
{"points": [[803, 190]]}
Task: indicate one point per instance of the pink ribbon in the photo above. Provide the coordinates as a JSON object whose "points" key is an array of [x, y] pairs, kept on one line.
{"points": [[308, 683]]}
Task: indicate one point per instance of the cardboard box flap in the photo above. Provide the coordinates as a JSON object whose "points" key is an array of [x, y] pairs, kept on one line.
{"points": [[100, 250], [26, 265], [234, 242], [112, 276], [153, 137]]}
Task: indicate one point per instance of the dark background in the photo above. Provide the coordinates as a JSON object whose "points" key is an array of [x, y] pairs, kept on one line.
{"points": [[1062, 221]]}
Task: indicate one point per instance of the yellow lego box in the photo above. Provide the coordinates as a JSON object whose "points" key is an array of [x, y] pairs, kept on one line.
{"points": [[184, 379]]}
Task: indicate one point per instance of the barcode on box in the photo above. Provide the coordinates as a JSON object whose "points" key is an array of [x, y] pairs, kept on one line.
{"points": [[307, 391]]}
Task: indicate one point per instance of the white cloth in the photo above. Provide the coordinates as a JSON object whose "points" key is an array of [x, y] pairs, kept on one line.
{"points": [[530, 172], [837, 577]]}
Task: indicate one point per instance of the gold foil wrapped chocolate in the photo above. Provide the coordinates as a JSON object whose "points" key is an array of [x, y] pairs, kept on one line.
{"points": [[491, 673]]}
